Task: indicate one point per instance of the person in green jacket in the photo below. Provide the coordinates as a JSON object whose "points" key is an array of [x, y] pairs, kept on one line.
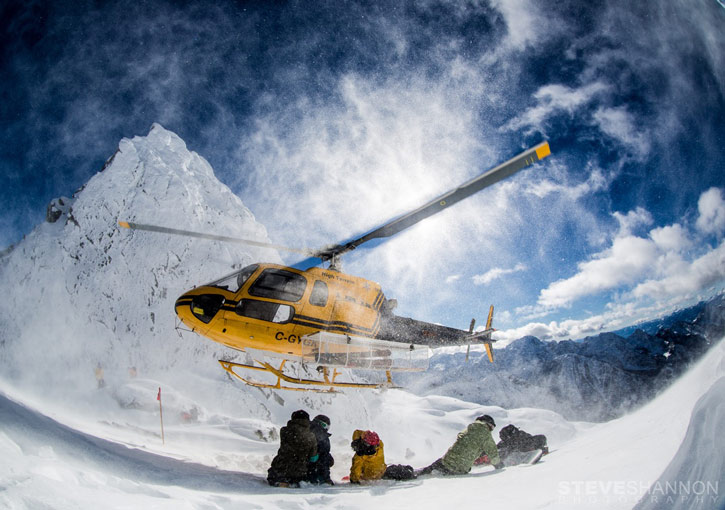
{"points": [[473, 442]]}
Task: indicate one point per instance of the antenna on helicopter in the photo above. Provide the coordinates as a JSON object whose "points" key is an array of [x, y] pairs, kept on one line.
{"points": [[335, 262]]}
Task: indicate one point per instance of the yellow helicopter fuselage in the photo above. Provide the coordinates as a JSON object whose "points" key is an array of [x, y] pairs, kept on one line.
{"points": [[272, 308]]}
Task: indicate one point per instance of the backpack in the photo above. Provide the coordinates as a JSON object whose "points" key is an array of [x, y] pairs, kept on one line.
{"points": [[515, 439], [399, 472]]}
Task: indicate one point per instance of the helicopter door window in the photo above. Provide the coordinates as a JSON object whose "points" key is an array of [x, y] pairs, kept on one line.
{"points": [[279, 284], [318, 297], [234, 281], [265, 310]]}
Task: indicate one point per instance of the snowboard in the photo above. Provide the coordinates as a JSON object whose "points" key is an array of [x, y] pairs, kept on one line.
{"points": [[518, 458]]}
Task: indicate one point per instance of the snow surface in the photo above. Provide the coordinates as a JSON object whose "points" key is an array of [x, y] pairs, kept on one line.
{"points": [[80, 292], [704, 437], [115, 456]]}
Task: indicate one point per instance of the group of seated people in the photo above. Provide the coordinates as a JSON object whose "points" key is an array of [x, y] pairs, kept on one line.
{"points": [[304, 452]]}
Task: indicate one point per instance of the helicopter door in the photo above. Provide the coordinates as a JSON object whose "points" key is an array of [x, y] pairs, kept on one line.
{"points": [[318, 310], [319, 294], [265, 311]]}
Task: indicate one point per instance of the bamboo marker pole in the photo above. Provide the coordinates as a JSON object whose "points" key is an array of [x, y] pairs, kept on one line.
{"points": [[161, 416]]}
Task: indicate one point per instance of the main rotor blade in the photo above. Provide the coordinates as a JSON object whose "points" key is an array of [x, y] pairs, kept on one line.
{"points": [[513, 165], [212, 237]]}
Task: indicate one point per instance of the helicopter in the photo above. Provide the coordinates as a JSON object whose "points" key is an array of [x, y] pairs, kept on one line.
{"points": [[323, 316]]}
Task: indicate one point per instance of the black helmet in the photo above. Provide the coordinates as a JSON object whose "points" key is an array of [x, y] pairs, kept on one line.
{"points": [[486, 419], [298, 415], [322, 419]]}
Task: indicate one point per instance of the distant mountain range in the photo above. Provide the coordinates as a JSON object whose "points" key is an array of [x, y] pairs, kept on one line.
{"points": [[594, 379], [689, 314]]}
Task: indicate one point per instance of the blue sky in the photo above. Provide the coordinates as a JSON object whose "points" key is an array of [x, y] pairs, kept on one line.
{"points": [[329, 118]]}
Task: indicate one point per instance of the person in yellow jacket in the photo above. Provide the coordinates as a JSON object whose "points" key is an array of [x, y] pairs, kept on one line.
{"points": [[368, 463]]}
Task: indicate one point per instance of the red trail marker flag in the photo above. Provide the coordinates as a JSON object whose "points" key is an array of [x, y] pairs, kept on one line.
{"points": [[161, 415]]}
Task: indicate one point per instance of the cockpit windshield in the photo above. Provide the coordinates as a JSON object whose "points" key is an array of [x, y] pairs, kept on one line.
{"points": [[234, 281]]}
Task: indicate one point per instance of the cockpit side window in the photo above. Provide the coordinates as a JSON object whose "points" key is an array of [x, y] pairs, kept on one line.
{"points": [[234, 281], [265, 310], [318, 297], [279, 284]]}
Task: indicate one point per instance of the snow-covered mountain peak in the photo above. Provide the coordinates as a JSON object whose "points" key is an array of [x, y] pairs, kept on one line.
{"points": [[105, 294], [156, 178]]}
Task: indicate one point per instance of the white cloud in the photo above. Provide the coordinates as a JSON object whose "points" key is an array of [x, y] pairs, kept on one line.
{"points": [[651, 274], [503, 316], [629, 222], [553, 99], [702, 273], [532, 312], [383, 150], [453, 278], [672, 238], [523, 21], [619, 124], [596, 181], [538, 329], [616, 122], [616, 316], [496, 272], [712, 212], [655, 265], [629, 259], [568, 329]]}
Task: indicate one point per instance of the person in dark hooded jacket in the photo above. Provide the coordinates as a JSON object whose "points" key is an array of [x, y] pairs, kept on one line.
{"points": [[514, 439], [297, 447], [319, 472]]}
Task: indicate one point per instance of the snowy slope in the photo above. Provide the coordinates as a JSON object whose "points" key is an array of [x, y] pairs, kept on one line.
{"points": [[699, 464], [610, 465]]}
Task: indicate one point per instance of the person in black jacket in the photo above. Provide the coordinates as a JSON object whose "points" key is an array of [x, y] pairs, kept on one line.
{"points": [[514, 439], [297, 447], [319, 472]]}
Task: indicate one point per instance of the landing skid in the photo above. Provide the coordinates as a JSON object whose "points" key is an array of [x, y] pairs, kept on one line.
{"points": [[326, 385]]}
